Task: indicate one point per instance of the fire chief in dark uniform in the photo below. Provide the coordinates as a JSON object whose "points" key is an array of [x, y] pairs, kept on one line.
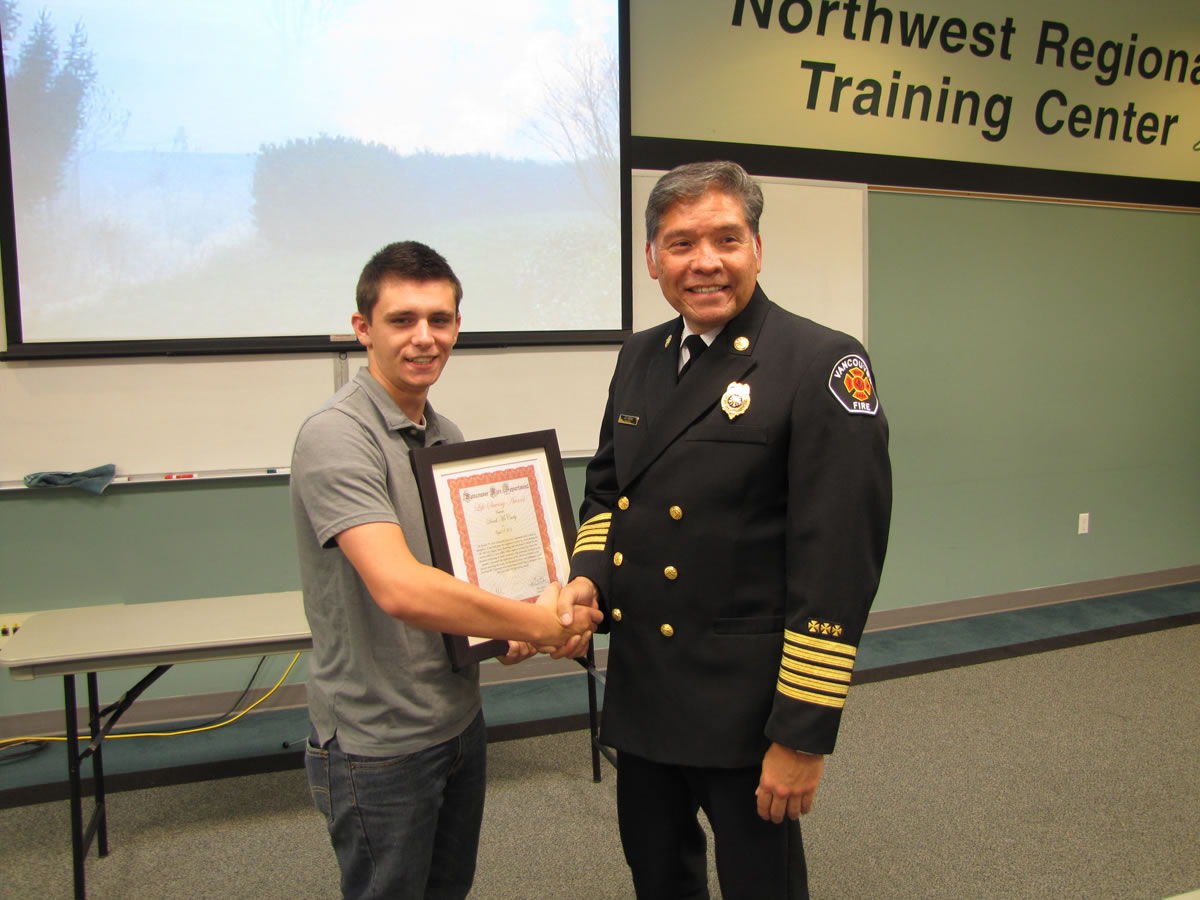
{"points": [[733, 530]]}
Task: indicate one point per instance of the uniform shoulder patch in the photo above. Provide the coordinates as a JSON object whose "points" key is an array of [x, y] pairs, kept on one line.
{"points": [[851, 383]]}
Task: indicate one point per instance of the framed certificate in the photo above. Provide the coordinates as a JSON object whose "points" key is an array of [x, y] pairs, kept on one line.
{"points": [[498, 516]]}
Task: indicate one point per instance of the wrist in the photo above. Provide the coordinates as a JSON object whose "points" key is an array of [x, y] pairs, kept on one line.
{"points": [[796, 752], [549, 630]]}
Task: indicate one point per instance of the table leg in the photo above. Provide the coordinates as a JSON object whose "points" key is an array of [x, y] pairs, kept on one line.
{"points": [[100, 723], [77, 846], [101, 809]]}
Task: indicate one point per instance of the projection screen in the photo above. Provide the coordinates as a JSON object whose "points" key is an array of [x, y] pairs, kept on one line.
{"points": [[211, 175]]}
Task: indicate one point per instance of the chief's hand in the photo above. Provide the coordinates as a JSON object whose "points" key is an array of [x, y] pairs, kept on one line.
{"points": [[575, 622], [579, 600], [580, 591], [517, 651], [788, 783]]}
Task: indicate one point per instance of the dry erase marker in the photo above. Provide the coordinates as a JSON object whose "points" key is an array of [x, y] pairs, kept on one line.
{"points": [[180, 475]]}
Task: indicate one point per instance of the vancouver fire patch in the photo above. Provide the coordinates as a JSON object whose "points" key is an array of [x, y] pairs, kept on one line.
{"points": [[851, 384]]}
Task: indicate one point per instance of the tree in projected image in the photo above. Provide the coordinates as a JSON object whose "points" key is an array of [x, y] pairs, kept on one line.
{"points": [[48, 96], [581, 124]]}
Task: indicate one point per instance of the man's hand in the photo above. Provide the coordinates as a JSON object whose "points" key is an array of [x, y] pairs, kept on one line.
{"points": [[576, 622], [580, 595], [788, 783], [517, 651], [580, 591]]}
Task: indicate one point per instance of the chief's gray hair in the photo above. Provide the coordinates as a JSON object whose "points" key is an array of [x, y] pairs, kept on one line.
{"points": [[691, 181]]}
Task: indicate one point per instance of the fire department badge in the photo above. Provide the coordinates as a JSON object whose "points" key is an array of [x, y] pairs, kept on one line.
{"points": [[851, 384], [736, 399]]}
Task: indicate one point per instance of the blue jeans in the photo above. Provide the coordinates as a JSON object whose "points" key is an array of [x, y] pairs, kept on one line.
{"points": [[403, 827]]}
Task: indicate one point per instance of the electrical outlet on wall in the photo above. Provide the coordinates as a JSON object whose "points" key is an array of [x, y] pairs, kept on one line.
{"points": [[1085, 523]]}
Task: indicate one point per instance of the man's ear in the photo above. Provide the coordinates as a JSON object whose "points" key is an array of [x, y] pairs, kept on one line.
{"points": [[362, 329], [650, 265]]}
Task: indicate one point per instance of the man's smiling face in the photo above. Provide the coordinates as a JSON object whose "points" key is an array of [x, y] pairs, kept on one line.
{"points": [[409, 336], [706, 259]]}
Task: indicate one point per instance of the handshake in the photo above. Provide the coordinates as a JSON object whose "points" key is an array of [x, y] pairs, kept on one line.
{"points": [[574, 613]]}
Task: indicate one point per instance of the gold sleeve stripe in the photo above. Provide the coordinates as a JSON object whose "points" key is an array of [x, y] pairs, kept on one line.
{"points": [[820, 658], [819, 671], [593, 534], [833, 646], [581, 546], [808, 697], [801, 681]]}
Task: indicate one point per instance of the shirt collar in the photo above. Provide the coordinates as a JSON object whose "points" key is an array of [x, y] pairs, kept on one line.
{"points": [[394, 418], [708, 336]]}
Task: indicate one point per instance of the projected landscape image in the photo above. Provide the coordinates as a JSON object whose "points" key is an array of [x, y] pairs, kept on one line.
{"points": [[222, 169]]}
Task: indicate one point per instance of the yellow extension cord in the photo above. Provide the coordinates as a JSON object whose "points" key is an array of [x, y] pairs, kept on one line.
{"points": [[229, 721]]}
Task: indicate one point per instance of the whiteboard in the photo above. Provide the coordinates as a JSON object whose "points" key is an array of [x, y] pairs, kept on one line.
{"points": [[212, 415]]}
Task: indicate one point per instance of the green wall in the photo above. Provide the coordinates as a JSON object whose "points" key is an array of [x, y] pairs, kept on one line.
{"points": [[1036, 361], [139, 544], [144, 543]]}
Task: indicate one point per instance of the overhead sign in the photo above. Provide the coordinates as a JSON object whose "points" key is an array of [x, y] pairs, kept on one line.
{"points": [[1104, 89]]}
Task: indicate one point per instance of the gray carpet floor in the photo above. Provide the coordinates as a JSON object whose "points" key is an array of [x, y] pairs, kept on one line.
{"points": [[1068, 774]]}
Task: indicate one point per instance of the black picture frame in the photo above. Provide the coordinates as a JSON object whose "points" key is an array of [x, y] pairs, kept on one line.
{"points": [[447, 472]]}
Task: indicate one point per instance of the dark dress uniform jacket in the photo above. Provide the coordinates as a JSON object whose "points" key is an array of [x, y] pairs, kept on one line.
{"points": [[736, 556]]}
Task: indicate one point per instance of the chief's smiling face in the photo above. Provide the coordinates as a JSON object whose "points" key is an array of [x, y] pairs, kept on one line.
{"points": [[705, 259]]}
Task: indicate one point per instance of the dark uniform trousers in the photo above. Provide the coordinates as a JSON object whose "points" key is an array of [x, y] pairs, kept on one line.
{"points": [[666, 847], [734, 523]]}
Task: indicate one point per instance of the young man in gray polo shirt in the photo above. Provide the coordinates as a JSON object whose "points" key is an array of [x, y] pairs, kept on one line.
{"points": [[396, 761]]}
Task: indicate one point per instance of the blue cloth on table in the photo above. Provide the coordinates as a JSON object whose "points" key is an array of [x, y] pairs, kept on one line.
{"points": [[93, 480]]}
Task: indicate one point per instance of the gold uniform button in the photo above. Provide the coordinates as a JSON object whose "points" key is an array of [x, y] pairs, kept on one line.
{"points": [[676, 513], [623, 503], [616, 614], [618, 558], [666, 629], [671, 572]]}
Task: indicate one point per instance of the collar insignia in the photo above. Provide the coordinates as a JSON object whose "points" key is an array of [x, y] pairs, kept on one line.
{"points": [[625, 419], [740, 344]]}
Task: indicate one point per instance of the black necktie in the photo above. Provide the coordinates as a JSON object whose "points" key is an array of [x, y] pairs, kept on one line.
{"points": [[695, 345]]}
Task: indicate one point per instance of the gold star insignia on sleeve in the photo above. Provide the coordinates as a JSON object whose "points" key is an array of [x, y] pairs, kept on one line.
{"points": [[816, 626]]}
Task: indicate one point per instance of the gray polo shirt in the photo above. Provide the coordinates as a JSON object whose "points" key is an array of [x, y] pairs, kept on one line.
{"points": [[385, 688]]}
